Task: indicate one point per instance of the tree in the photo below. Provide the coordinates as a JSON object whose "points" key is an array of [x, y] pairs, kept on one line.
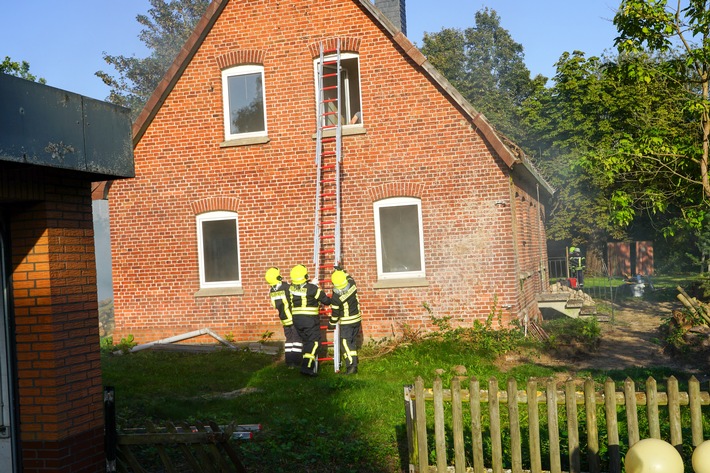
{"points": [[19, 69], [167, 26], [487, 66], [674, 166]]}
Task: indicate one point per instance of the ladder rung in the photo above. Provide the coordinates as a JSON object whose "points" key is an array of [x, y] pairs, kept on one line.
{"points": [[323, 252], [327, 237], [330, 87], [328, 167], [330, 74], [330, 100], [328, 358]]}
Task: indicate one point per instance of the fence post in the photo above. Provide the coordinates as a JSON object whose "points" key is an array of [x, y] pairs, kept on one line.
{"points": [[674, 414], [422, 448], [496, 440], [632, 422], [533, 427], [439, 426], [553, 426], [411, 416], [696, 413], [514, 423], [572, 427], [110, 436], [474, 390], [612, 427], [590, 406], [457, 424]]}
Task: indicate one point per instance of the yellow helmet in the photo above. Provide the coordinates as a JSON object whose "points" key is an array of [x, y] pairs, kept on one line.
{"points": [[272, 276], [299, 274], [339, 279]]}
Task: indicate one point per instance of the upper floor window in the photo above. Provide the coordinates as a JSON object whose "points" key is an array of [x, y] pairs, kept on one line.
{"points": [[351, 110], [244, 102], [399, 238], [218, 249]]}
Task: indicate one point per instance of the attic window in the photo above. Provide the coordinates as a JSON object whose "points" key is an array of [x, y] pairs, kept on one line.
{"points": [[351, 110], [244, 99]]}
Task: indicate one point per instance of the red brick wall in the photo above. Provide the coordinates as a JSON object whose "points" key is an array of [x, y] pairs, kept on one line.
{"points": [[417, 144], [56, 320]]}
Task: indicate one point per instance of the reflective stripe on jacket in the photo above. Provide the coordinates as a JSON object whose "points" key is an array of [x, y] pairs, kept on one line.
{"points": [[280, 301], [345, 305], [306, 299]]}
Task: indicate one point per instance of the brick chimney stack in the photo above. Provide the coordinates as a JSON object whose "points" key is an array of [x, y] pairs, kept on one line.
{"points": [[395, 11]]}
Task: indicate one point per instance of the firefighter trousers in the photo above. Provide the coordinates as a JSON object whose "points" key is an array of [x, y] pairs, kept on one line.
{"points": [[308, 328]]}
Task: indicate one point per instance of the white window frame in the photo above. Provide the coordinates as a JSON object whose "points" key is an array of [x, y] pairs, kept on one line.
{"points": [[214, 216], [398, 202], [345, 92], [238, 71]]}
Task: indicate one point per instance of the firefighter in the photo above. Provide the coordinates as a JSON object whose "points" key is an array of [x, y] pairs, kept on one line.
{"points": [[576, 265], [278, 291], [345, 308], [306, 299]]}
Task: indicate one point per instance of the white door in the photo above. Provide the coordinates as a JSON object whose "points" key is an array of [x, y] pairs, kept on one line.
{"points": [[7, 456]]}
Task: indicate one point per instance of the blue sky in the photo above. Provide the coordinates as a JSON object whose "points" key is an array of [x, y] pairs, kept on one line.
{"points": [[64, 40]]}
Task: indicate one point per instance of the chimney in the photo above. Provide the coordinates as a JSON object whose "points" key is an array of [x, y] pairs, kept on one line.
{"points": [[395, 11]]}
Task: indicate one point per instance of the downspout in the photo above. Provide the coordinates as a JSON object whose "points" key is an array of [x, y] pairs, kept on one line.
{"points": [[516, 257], [542, 270]]}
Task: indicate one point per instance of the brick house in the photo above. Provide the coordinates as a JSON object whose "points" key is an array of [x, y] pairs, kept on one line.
{"points": [[53, 145], [470, 205]]}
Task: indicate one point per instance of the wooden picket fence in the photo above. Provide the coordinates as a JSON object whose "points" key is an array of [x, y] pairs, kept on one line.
{"points": [[473, 439]]}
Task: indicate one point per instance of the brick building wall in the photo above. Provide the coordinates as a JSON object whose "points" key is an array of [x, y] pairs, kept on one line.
{"points": [[415, 142], [55, 307]]}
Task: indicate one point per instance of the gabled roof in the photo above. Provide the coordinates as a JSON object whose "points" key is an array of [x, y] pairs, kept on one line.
{"points": [[513, 156]]}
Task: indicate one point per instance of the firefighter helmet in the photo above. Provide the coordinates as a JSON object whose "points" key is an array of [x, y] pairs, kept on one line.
{"points": [[339, 279], [272, 276], [299, 274]]}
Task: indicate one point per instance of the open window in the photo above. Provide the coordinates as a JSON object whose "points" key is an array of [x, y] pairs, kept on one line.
{"points": [[244, 102], [351, 110], [218, 248], [399, 238]]}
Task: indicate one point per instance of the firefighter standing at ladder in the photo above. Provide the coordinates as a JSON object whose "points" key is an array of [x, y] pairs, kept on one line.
{"points": [[345, 309], [306, 299], [279, 294]]}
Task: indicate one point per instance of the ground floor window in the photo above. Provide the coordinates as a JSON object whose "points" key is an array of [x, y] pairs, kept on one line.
{"points": [[218, 244], [400, 243]]}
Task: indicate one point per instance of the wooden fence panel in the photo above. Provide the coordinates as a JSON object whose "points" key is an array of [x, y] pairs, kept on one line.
{"points": [[618, 409]]}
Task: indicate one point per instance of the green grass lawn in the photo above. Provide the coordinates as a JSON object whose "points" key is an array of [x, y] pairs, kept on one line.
{"points": [[325, 424]]}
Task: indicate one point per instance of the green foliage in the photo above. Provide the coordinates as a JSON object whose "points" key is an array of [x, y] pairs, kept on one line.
{"points": [[673, 165], [124, 346], [19, 69], [579, 335], [486, 65], [167, 26]]}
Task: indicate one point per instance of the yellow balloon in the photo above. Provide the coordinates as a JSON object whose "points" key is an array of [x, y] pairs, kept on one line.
{"points": [[701, 458], [653, 456]]}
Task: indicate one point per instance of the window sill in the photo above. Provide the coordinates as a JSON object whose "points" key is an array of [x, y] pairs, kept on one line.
{"points": [[392, 283], [347, 131], [219, 291], [254, 140]]}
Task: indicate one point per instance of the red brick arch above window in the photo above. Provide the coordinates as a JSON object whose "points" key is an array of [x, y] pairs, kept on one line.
{"points": [[396, 189], [214, 204], [347, 44], [241, 56]]}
